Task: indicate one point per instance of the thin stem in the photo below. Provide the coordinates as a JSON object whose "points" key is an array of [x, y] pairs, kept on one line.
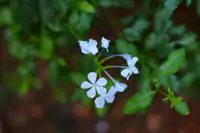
{"points": [[157, 89], [107, 67], [107, 58], [109, 76]]}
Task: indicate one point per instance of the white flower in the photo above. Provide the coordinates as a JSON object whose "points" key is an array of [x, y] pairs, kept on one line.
{"points": [[109, 97], [120, 87], [89, 47], [130, 69], [127, 57], [94, 85], [105, 43]]}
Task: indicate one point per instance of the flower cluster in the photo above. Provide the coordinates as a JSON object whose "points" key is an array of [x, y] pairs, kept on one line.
{"points": [[97, 86]]}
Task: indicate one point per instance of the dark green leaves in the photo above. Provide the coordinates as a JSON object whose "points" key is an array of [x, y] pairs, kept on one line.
{"points": [[139, 102], [134, 33], [173, 62], [125, 47]]}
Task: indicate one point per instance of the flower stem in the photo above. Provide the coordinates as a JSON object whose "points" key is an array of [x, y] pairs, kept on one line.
{"points": [[107, 58], [109, 76], [107, 67]]}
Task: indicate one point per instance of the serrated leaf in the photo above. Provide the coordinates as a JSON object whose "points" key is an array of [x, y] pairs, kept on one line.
{"points": [[125, 47], [86, 7], [173, 62], [138, 102]]}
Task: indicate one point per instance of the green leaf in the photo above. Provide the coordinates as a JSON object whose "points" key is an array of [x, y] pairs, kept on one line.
{"points": [[173, 62], [134, 33], [125, 47], [188, 2], [77, 77], [6, 16], [180, 106], [187, 39], [46, 49], [139, 102], [86, 7]]}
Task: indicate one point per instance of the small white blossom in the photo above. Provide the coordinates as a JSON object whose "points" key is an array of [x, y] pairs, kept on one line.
{"points": [[120, 87], [127, 57], [89, 47], [105, 43], [94, 85], [105, 97], [127, 72]]}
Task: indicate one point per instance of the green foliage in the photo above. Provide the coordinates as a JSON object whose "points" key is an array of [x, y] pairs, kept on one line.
{"points": [[86, 7], [39, 33], [125, 47], [173, 62], [138, 102]]}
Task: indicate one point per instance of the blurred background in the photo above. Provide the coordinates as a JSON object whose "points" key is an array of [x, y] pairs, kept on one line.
{"points": [[42, 66]]}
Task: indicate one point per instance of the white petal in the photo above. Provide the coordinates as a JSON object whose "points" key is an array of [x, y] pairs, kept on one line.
{"points": [[109, 99], [135, 70], [132, 61], [91, 93], [92, 42], [93, 49], [120, 86], [101, 82], [105, 43], [99, 102], [86, 85], [92, 76], [127, 57], [101, 90], [84, 47], [112, 91], [84, 50], [125, 72]]}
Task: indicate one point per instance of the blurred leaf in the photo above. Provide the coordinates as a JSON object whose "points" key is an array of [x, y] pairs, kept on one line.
{"points": [[187, 39], [46, 49], [46, 11], [24, 88], [114, 3], [73, 18], [77, 77], [61, 5], [138, 102], [84, 23], [171, 4], [125, 47], [86, 7], [173, 62], [198, 6], [180, 106], [145, 84], [187, 80], [188, 2], [53, 73], [134, 33], [6, 17], [25, 14], [162, 20], [55, 25], [108, 3]]}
